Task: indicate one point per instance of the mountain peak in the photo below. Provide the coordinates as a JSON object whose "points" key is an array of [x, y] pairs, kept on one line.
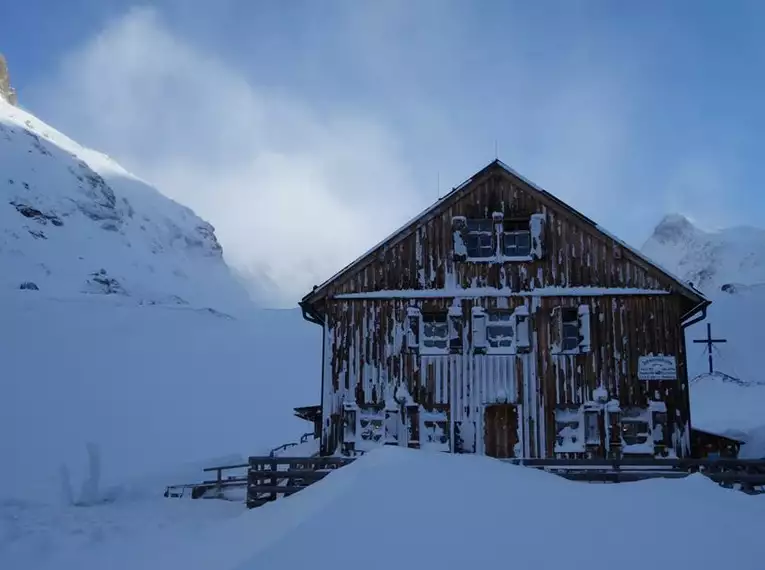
{"points": [[7, 92], [674, 228], [710, 260]]}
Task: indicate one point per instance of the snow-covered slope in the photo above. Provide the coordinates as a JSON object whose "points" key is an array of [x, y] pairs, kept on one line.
{"points": [[72, 220], [710, 260], [729, 266], [122, 326], [399, 508]]}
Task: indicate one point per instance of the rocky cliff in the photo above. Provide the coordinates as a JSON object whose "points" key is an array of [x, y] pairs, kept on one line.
{"points": [[6, 91]]}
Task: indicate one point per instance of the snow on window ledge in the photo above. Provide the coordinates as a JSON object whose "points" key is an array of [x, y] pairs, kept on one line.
{"points": [[500, 259]]}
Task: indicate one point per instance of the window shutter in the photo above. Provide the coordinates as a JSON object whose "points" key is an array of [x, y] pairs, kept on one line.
{"points": [[455, 329], [584, 328], [459, 227], [479, 329], [522, 330], [497, 219], [413, 326], [556, 330], [537, 229]]}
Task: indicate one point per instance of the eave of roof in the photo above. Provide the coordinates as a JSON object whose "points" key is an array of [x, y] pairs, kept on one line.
{"points": [[687, 288]]}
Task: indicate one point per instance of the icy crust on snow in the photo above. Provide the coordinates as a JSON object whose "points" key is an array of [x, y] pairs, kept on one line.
{"points": [[412, 509], [72, 221]]}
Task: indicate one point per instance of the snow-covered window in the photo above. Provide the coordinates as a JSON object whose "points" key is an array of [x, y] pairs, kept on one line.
{"points": [[637, 436], [500, 331], [498, 238], [569, 436], [434, 430], [570, 329], [371, 427], [479, 239], [516, 238], [435, 335], [412, 329]]}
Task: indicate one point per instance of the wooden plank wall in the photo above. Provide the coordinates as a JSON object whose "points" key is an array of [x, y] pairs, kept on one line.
{"points": [[368, 360], [576, 254]]}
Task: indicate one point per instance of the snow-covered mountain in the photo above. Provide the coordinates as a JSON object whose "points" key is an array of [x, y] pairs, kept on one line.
{"points": [[712, 261], [728, 265], [72, 221], [107, 336]]}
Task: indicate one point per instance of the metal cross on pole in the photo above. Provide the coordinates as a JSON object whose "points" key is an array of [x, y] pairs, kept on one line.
{"points": [[710, 342]]}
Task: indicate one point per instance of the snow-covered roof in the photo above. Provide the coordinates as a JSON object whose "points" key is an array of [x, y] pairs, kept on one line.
{"points": [[404, 230]]}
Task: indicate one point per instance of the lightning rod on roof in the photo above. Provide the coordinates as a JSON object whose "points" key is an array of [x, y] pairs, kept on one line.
{"points": [[496, 150]]}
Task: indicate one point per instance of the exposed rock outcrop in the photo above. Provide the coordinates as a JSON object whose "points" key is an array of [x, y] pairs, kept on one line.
{"points": [[6, 91]]}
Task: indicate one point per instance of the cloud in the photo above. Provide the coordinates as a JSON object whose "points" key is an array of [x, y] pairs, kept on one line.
{"points": [[294, 194], [301, 179]]}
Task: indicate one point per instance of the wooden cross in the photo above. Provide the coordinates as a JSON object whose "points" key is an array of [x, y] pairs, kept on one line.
{"points": [[709, 341]]}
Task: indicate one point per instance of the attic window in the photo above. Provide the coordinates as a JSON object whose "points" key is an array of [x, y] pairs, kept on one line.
{"points": [[516, 238], [479, 239], [498, 239]]}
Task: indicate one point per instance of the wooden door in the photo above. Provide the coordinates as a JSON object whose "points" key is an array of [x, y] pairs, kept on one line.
{"points": [[500, 430]]}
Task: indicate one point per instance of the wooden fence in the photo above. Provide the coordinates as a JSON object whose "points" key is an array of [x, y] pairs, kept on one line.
{"points": [[749, 475], [272, 477]]}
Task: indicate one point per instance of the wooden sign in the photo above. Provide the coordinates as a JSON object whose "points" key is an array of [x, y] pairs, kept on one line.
{"points": [[657, 368]]}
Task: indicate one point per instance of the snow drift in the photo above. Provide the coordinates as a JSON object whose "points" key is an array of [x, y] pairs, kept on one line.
{"points": [[153, 386], [418, 509]]}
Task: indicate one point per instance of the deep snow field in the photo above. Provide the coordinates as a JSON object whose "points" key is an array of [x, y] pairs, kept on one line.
{"points": [[399, 508], [153, 386]]}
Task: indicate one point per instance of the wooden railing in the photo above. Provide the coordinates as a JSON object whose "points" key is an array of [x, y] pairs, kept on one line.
{"points": [[748, 474], [272, 477], [303, 438]]}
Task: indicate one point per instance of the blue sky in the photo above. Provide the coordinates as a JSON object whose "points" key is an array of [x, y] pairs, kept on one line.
{"points": [[307, 130]]}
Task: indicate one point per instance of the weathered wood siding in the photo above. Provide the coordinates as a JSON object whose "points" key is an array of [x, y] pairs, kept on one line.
{"points": [[576, 254], [366, 360]]}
